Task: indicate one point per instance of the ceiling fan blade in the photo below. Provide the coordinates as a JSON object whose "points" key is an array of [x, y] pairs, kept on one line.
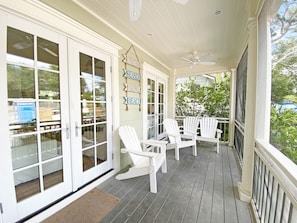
{"points": [[186, 59], [205, 56], [207, 63]]}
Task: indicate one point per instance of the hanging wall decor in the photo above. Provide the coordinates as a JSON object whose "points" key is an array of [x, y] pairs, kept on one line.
{"points": [[131, 73]]}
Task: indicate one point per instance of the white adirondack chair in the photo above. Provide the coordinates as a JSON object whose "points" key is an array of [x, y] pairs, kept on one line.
{"points": [[209, 131], [175, 138], [145, 161], [190, 126]]}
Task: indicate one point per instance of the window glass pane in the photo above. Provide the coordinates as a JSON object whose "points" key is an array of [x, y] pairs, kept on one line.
{"points": [[22, 117], [161, 108], [20, 47], [151, 133], [51, 145], [99, 70], [152, 85], [149, 97], [100, 91], [161, 88], [49, 114], [49, 85], [88, 159], [100, 112], [101, 153], [27, 183], [101, 133], [151, 108], [52, 173], [20, 82], [47, 54], [86, 89], [153, 97], [161, 98], [24, 151], [87, 112], [87, 136], [86, 65]]}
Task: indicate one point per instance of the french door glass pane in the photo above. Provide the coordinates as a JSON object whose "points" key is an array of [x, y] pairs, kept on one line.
{"points": [[47, 54], [24, 151], [20, 47], [51, 145], [101, 112], [99, 70], [20, 81], [88, 159], [27, 183], [87, 136], [101, 133], [48, 84], [93, 111], [34, 108], [101, 152], [22, 116], [52, 173]]}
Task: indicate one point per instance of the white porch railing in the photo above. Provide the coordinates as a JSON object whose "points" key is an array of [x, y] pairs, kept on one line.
{"points": [[274, 196]]}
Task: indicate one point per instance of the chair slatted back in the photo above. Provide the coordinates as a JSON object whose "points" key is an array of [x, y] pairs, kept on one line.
{"points": [[171, 128], [130, 139], [208, 127], [190, 125]]}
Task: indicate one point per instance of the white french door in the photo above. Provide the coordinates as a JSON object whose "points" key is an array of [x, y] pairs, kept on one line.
{"points": [[37, 107], [90, 98], [155, 106], [56, 114]]}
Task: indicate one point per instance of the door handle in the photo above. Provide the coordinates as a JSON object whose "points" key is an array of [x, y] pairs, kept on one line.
{"points": [[67, 130], [77, 127]]}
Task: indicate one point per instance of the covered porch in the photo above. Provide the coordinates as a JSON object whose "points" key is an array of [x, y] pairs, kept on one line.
{"points": [[248, 179]]}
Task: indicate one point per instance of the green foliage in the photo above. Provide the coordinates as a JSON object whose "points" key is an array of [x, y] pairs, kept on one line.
{"points": [[193, 99], [283, 134], [282, 86]]}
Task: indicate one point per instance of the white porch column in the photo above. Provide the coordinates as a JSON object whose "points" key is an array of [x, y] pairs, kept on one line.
{"points": [[245, 186], [262, 130], [232, 106]]}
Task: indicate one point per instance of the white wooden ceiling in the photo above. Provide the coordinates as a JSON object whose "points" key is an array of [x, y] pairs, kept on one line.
{"points": [[169, 31]]}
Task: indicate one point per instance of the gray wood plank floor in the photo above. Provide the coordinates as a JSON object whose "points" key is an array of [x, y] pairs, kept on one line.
{"points": [[195, 189]]}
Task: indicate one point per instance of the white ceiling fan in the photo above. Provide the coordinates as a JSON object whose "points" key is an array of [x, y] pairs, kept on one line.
{"points": [[195, 59]]}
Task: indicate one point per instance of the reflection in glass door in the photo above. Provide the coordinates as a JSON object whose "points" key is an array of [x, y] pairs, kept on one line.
{"points": [[34, 108]]}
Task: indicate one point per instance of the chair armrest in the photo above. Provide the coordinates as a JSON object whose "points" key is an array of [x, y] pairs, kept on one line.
{"points": [[192, 136], [161, 145], [154, 142], [145, 154], [219, 132]]}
